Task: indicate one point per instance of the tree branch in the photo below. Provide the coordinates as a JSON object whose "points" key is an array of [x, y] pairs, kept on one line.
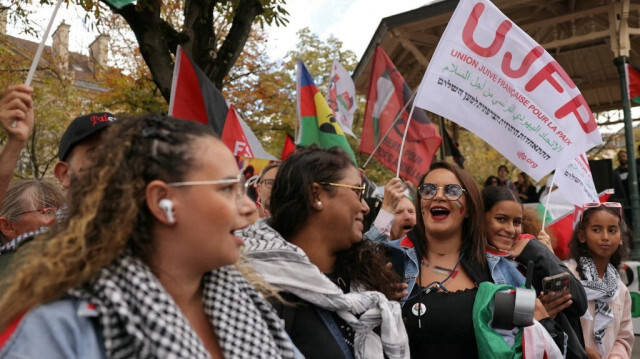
{"points": [[245, 14], [148, 28]]}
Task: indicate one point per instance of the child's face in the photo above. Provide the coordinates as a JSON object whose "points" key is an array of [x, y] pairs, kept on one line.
{"points": [[602, 235], [504, 224]]}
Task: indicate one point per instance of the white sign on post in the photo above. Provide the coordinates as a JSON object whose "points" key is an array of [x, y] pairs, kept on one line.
{"points": [[492, 78]]}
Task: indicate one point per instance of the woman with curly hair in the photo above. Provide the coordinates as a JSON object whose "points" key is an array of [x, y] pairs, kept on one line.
{"points": [[312, 250], [144, 266]]}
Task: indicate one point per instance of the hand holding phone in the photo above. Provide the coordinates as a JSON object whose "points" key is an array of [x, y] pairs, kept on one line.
{"points": [[561, 298], [558, 283]]}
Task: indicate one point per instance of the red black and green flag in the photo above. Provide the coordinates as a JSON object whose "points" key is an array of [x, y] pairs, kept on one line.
{"points": [[194, 97], [388, 95]]}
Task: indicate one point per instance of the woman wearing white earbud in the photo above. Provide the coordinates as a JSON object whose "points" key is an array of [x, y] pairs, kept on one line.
{"points": [[144, 267]]}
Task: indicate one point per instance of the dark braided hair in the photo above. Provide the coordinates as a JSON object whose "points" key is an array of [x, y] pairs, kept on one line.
{"points": [[578, 249]]}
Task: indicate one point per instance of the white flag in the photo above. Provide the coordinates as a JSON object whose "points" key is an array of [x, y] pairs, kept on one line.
{"points": [[492, 78], [342, 97], [575, 181]]}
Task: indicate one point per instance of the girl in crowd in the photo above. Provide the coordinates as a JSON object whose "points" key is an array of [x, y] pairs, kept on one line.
{"points": [[509, 249], [144, 267], [312, 250], [526, 190], [444, 264], [596, 252]]}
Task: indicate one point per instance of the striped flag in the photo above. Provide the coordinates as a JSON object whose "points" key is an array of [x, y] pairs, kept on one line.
{"points": [[317, 123]]}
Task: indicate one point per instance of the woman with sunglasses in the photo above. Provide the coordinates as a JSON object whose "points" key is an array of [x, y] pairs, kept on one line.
{"points": [[335, 283], [444, 264], [144, 266], [597, 249]]}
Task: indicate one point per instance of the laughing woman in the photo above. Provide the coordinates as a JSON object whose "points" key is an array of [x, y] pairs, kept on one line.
{"points": [[444, 264], [144, 267], [312, 250], [509, 251]]}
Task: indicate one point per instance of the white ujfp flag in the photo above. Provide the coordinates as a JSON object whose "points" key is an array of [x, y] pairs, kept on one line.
{"points": [[492, 78], [342, 97]]}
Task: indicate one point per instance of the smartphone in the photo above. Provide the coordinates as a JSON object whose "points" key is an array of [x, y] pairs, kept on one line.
{"points": [[558, 283]]}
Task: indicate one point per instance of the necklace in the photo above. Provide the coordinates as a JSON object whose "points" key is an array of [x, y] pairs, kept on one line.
{"points": [[419, 308]]}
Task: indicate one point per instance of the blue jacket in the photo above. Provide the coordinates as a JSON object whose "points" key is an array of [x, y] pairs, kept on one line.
{"points": [[61, 329], [404, 257], [503, 271], [64, 329]]}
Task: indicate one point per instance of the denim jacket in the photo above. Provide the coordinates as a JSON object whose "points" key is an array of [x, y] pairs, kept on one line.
{"points": [[410, 265], [503, 271], [63, 329]]}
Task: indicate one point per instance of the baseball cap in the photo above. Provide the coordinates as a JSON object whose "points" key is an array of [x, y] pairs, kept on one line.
{"points": [[81, 128]]}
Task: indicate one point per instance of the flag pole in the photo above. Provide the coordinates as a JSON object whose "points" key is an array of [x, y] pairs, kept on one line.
{"points": [[404, 138], [36, 59], [442, 148], [546, 206], [389, 129]]}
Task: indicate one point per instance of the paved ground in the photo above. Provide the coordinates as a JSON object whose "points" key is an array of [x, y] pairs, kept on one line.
{"points": [[635, 353]]}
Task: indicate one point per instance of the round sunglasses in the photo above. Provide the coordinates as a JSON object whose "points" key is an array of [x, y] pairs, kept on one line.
{"points": [[452, 191]]}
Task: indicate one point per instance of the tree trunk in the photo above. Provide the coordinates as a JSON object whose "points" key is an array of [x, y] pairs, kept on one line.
{"points": [[158, 40]]}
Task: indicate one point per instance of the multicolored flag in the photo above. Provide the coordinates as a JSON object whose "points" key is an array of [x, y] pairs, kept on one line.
{"points": [[317, 123], [342, 97], [195, 98], [389, 96]]}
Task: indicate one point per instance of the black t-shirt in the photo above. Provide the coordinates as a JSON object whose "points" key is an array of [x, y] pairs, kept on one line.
{"points": [[445, 329]]}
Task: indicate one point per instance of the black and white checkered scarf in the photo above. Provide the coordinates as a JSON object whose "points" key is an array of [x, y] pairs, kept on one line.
{"points": [[287, 267], [139, 318], [602, 292]]}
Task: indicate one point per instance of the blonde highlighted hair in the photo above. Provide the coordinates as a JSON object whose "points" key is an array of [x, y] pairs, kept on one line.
{"points": [[107, 211]]}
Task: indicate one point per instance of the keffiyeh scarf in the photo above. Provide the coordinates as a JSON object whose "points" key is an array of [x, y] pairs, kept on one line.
{"points": [[602, 292], [288, 268], [140, 319]]}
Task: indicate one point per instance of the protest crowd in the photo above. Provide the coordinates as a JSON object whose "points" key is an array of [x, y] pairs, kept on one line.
{"points": [[156, 243]]}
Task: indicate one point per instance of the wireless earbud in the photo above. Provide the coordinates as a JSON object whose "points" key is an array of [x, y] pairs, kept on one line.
{"points": [[167, 206]]}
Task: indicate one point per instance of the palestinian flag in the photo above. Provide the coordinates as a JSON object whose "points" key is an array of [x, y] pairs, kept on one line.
{"points": [[195, 98], [317, 123], [633, 81], [388, 95]]}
